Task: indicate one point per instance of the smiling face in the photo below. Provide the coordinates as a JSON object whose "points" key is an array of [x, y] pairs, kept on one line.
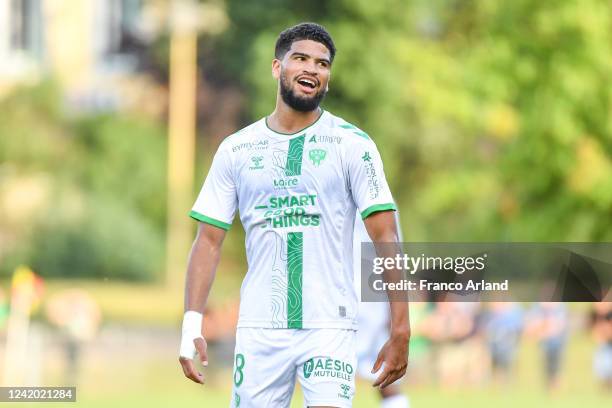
{"points": [[303, 74]]}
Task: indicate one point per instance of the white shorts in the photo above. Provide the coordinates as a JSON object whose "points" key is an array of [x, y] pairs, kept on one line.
{"points": [[267, 361], [373, 332]]}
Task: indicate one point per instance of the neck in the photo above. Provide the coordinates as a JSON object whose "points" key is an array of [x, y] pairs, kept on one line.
{"points": [[284, 119]]}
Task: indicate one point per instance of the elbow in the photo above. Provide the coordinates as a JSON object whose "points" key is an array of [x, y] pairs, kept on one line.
{"points": [[384, 236]]}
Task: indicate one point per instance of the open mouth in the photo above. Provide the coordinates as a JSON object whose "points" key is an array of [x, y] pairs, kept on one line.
{"points": [[307, 83]]}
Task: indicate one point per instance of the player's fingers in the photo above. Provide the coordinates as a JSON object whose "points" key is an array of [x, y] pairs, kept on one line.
{"points": [[201, 347], [382, 377], [395, 374], [190, 371], [385, 383], [378, 363], [391, 378]]}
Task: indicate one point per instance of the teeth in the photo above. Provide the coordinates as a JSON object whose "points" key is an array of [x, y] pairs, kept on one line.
{"points": [[308, 82]]}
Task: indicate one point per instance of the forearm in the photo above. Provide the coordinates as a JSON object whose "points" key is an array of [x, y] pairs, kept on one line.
{"points": [[386, 243], [398, 300], [400, 319], [202, 265]]}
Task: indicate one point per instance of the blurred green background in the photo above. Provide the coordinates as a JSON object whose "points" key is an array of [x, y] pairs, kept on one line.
{"points": [[493, 118]]}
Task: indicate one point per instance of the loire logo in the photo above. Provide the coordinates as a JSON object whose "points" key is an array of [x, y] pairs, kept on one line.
{"points": [[256, 162], [366, 157], [285, 182], [317, 156]]}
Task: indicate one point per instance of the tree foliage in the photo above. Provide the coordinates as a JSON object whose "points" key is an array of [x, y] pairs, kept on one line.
{"points": [[80, 197], [493, 118]]}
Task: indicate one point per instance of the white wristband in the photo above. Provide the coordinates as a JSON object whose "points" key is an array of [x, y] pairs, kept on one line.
{"points": [[192, 329]]}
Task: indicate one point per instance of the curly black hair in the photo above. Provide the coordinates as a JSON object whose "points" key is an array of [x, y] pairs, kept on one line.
{"points": [[304, 31]]}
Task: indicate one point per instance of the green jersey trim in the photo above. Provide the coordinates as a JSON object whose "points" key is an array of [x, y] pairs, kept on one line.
{"points": [[294, 133], [202, 218], [295, 263], [376, 208], [356, 131]]}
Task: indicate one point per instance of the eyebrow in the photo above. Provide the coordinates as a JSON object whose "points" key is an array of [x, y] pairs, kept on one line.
{"points": [[309, 56]]}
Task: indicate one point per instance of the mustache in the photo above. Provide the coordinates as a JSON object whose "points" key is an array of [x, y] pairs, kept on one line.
{"points": [[298, 103]]}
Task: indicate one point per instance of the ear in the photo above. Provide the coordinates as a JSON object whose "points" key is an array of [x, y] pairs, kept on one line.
{"points": [[276, 68]]}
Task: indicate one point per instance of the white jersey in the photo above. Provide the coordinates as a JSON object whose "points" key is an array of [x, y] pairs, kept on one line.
{"points": [[297, 195]]}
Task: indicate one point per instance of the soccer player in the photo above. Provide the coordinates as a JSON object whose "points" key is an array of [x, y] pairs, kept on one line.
{"points": [[373, 320], [297, 178]]}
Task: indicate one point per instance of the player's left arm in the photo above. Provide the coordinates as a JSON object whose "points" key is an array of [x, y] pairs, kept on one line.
{"points": [[383, 231], [372, 196]]}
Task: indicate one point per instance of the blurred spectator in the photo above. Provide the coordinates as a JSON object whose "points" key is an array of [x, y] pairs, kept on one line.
{"points": [[502, 326], [76, 313], [420, 344], [460, 357], [548, 323], [601, 325]]}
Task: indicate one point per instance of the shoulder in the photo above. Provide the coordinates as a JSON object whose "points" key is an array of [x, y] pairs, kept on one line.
{"points": [[240, 139], [353, 140], [346, 129], [350, 135]]}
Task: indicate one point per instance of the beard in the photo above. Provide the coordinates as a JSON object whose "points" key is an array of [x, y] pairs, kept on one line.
{"points": [[298, 103]]}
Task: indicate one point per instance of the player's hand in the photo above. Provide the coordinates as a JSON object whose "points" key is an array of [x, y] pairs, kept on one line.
{"points": [[187, 363], [394, 355], [192, 343]]}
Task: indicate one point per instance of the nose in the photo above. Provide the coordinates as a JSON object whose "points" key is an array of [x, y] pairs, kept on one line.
{"points": [[311, 67]]}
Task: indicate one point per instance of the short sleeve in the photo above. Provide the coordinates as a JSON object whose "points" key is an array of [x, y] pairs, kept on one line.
{"points": [[367, 180], [216, 204]]}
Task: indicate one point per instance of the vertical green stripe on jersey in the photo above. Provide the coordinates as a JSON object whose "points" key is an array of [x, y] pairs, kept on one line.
{"points": [[295, 251], [294, 156]]}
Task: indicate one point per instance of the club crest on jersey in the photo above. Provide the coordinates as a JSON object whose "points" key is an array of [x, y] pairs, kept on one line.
{"points": [[317, 156]]}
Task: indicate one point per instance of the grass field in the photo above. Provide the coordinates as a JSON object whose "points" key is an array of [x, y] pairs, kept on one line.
{"points": [[159, 383], [121, 377]]}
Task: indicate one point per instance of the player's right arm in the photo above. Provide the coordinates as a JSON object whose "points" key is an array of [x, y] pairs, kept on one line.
{"points": [[203, 261], [214, 208]]}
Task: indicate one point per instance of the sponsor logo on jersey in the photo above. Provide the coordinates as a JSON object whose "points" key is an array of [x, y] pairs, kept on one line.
{"points": [[283, 183], [317, 156], [308, 368], [290, 211], [344, 391], [255, 145], [292, 200], [257, 163], [328, 368], [325, 139], [373, 186]]}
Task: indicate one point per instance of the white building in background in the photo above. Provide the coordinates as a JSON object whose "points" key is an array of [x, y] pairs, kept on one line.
{"points": [[92, 47]]}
